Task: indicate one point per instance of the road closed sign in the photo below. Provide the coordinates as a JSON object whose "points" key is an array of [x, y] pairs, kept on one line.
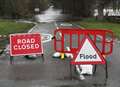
{"points": [[25, 44], [88, 53]]}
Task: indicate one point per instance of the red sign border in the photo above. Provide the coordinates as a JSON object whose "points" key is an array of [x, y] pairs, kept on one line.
{"points": [[27, 53], [90, 62]]}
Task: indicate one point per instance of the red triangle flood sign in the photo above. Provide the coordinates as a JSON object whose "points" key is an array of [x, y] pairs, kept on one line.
{"points": [[88, 53]]}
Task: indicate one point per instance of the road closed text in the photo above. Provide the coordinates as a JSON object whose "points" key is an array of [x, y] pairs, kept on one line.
{"points": [[26, 44]]}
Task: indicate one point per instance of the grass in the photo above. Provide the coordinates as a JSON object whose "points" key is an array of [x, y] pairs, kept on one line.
{"points": [[10, 27], [94, 24]]}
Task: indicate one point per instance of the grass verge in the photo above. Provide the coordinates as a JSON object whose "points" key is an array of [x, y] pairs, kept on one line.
{"points": [[95, 24], [10, 27]]}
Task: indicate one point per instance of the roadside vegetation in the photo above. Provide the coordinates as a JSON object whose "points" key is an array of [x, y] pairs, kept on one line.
{"points": [[10, 27], [98, 24], [7, 27]]}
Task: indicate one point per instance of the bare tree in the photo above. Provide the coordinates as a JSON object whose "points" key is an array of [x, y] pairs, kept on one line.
{"points": [[75, 7], [21, 8], [101, 4]]}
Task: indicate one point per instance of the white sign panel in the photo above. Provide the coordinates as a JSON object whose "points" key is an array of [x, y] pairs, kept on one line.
{"points": [[88, 53]]}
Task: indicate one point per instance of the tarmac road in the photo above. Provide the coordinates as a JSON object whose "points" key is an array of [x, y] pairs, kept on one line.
{"points": [[49, 72]]}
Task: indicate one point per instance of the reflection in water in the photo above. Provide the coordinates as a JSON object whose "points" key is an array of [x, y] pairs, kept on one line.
{"points": [[49, 15]]}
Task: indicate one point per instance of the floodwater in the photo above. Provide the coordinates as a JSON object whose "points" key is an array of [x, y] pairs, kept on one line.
{"points": [[49, 15]]}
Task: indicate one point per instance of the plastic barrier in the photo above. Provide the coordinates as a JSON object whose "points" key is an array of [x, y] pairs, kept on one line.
{"points": [[103, 39]]}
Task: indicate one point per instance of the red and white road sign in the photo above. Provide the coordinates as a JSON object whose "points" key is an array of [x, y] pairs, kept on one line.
{"points": [[25, 44], [88, 53]]}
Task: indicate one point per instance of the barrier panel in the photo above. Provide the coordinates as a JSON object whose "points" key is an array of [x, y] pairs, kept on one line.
{"points": [[103, 39]]}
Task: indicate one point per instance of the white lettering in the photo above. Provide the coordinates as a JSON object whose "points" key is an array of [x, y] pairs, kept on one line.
{"points": [[18, 41], [32, 46], [32, 40], [26, 46], [23, 47], [25, 41], [15, 47], [37, 46]]}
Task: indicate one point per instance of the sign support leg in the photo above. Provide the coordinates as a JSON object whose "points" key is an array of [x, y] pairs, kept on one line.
{"points": [[42, 55], [106, 69], [11, 59], [70, 71], [95, 68]]}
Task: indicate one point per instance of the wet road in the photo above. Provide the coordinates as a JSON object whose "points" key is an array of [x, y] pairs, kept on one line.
{"points": [[54, 72]]}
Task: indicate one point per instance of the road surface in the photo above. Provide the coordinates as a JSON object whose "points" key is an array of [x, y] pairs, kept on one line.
{"points": [[50, 72]]}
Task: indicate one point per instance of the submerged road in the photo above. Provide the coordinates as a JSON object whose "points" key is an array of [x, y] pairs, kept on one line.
{"points": [[50, 72]]}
